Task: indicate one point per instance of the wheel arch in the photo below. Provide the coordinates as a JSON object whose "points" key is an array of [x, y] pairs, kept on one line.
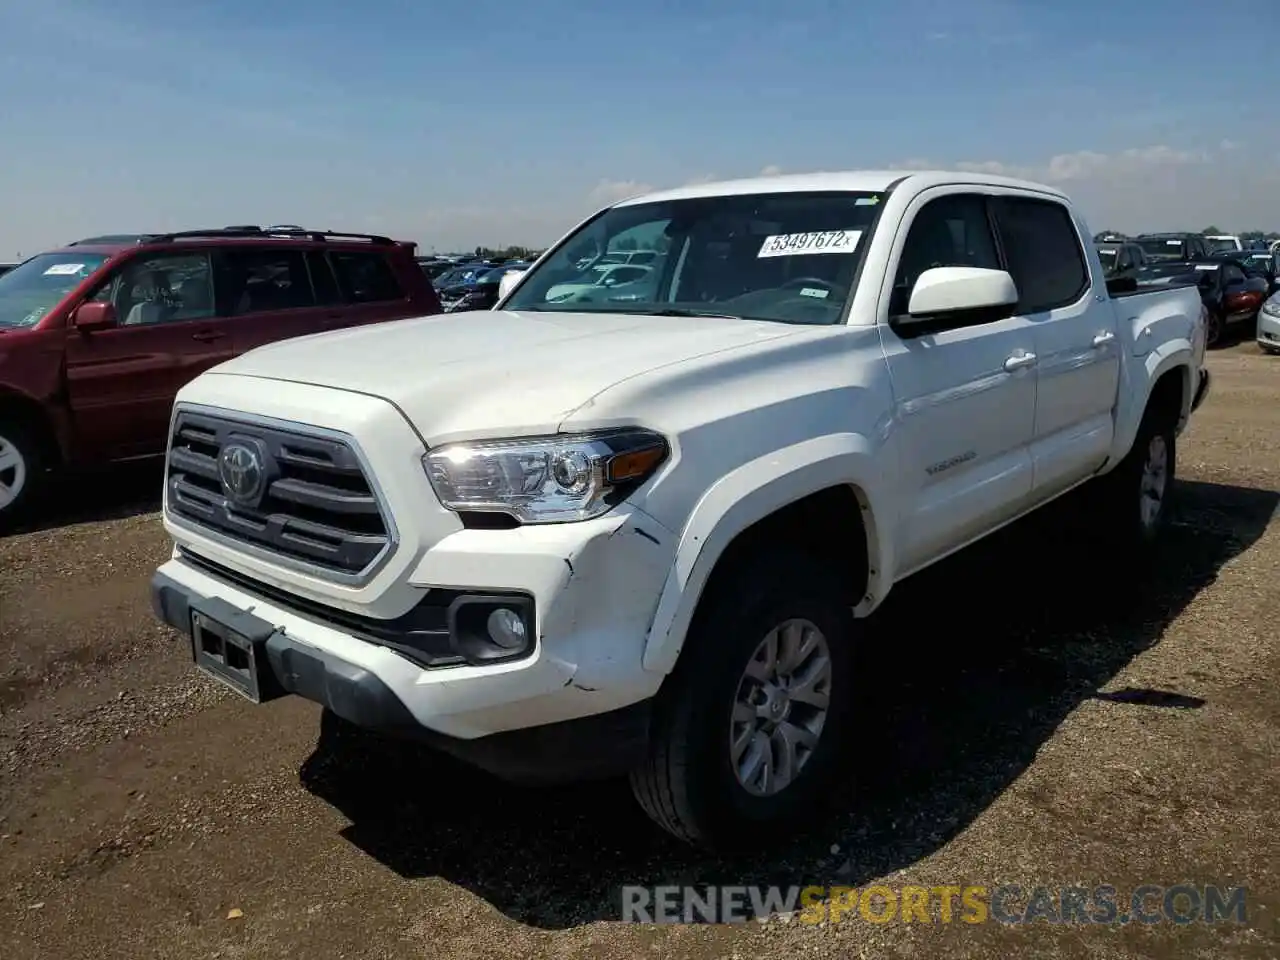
{"points": [[34, 414], [825, 495]]}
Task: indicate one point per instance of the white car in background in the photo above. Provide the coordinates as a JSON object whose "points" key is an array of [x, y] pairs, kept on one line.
{"points": [[1269, 325], [609, 278], [1224, 243]]}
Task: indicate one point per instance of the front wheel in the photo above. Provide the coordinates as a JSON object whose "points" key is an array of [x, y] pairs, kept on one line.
{"points": [[21, 466], [748, 729]]}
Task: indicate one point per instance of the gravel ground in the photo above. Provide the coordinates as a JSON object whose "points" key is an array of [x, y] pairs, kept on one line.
{"points": [[1033, 714]]}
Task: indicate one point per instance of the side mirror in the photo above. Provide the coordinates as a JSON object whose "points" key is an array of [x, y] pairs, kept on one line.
{"points": [[508, 282], [974, 293], [94, 316]]}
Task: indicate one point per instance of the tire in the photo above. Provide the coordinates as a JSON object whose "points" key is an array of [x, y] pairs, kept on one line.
{"points": [[1214, 329], [22, 470], [1135, 496], [689, 784]]}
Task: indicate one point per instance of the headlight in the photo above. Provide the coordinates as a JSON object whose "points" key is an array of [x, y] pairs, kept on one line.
{"points": [[1272, 307], [544, 479]]}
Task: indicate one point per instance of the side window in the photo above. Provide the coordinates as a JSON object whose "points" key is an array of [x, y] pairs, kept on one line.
{"points": [[323, 280], [261, 279], [952, 231], [1043, 250], [168, 288], [1231, 274], [365, 277]]}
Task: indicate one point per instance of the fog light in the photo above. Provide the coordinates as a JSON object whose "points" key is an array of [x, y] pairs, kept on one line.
{"points": [[491, 629], [506, 629]]}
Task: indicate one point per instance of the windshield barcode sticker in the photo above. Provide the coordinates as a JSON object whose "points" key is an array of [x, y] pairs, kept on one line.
{"points": [[803, 244], [64, 270]]}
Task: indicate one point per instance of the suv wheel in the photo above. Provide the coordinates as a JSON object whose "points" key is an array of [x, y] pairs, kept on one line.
{"points": [[748, 729], [21, 462]]}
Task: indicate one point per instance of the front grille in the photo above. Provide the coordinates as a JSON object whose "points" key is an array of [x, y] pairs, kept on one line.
{"points": [[314, 506]]}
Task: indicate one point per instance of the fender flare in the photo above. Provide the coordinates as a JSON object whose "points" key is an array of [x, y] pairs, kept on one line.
{"points": [[752, 492], [1170, 355]]}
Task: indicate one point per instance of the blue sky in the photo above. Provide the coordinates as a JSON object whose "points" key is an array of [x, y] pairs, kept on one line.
{"points": [[457, 124]]}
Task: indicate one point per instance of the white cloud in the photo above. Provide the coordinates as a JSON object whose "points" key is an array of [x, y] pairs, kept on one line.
{"points": [[611, 191], [1153, 187], [772, 170], [701, 178]]}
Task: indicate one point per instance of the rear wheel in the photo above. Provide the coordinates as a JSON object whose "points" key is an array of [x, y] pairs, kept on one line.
{"points": [[749, 727], [22, 464], [1214, 327], [1135, 496]]}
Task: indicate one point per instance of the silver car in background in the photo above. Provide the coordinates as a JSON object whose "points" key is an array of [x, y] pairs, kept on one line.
{"points": [[1269, 325]]}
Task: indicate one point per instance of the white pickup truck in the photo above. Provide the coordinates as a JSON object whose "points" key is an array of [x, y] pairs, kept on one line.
{"points": [[637, 530]]}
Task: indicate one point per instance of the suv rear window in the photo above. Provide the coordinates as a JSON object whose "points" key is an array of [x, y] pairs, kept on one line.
{"points": [[365, 277]]}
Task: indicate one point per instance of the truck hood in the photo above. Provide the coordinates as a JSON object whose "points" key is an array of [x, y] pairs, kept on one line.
{"points": [[491, 373]]}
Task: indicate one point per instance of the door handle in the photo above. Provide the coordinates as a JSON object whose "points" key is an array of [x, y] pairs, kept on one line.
{"points": [[207, 336], [1020, 361], [1102, 339]]}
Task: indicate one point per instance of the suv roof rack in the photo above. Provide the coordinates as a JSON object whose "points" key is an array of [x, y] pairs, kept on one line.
{"points": [[290, 232], [109, 238]]}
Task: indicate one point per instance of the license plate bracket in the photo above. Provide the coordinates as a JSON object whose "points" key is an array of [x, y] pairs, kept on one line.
{"points": [[230, 646]]}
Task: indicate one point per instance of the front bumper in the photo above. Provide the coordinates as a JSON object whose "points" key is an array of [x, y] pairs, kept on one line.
{"points": [[594, 589], [1268, 330], [573, 732]]}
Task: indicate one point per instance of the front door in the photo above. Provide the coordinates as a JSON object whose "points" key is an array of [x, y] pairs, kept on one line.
{"points": [[964, 396], [1078, 350], [122, 381]]}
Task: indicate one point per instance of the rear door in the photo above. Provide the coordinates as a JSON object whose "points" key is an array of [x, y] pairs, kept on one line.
{"points": [[964, 390], [1074, 325], [266, 292], [370, 289], [121, 382]]}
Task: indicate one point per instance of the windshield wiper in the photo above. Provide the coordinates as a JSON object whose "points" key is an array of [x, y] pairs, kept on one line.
{"points": [[678, 312]]}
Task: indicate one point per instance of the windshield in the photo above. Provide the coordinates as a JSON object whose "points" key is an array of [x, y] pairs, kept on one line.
{"points": [[1221, 244], [1162, 247], [785, 257], [32, 289]]}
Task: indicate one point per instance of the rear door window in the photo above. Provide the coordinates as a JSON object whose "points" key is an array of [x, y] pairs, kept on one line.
{"points": [[263, 280], [1043, 250], [365, 277]]}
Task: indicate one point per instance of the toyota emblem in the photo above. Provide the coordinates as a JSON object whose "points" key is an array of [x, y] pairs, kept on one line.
{"points": [[241, 471]]}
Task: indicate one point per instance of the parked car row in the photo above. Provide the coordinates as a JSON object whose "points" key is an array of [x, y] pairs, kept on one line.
{"points": [[1234, 282]]}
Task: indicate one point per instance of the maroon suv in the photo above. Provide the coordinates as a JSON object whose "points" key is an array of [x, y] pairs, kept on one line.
{"points": [[96, 338]]}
